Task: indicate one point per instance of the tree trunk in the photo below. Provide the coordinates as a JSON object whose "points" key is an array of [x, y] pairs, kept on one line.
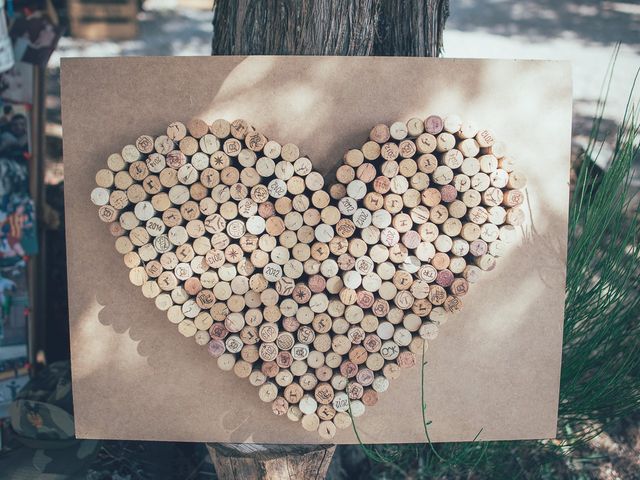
{"points": [[410, 28], [315, 27], [270, 462]]}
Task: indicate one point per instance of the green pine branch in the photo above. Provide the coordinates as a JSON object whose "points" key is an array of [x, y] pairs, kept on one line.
{"points": [[600, 376], [600, 379]]}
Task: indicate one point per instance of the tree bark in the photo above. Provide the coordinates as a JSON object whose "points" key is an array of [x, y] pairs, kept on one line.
{"points": [[315, 27], [271, 462], [322, 27]]}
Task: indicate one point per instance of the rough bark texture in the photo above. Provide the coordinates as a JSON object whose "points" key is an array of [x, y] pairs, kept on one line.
{"points": [[271, 462], [315, 27], [411, 28], [322, 27]]}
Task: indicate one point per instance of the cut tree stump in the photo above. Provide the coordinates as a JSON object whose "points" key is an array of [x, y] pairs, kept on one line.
{"points": [[238, 461], [315, 27]]}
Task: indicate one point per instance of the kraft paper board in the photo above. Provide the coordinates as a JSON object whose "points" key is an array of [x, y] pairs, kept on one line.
{"points": [[495, 366]]}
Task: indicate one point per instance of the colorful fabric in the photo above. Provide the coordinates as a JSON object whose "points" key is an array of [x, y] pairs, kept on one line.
{"points": [[17, 214], [42, 417]]}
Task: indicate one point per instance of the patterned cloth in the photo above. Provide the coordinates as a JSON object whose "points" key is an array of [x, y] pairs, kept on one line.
{"points": [[17, 218], [42, 417]]}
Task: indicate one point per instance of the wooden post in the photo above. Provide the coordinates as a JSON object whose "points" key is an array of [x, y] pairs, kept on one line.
{"points": [[37, 264], [340, 27]]}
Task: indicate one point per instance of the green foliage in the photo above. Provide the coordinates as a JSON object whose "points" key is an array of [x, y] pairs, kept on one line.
{"points": [[600, 377], [601, 354]]}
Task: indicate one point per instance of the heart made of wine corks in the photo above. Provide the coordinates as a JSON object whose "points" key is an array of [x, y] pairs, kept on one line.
{"points": [[317, 295]]}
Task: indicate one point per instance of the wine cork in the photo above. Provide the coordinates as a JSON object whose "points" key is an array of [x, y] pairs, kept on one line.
{"points": [[130, 153], [467, 129], [431, 197], [471, 198], [371, 150], [478, 247], [443, 175], [175, 315], [174, 159], [399, 184], [513, 198], [488, 163], [406, 359], [290, 152], [239, 128], [100, 196], [118, 199], [461, 182], [115, 162], [353, 158], [452, 304], [453, 158], [114, 228], [398, 131], [497, 215], [128, 220], [485, 138], [499, 178], [492, 196], [411, 198], [104, 178], [407, 148], [366, 172], [293, 393], [198, 190], [108, 214], [389, 169], [469, 147], [218, 330], [485, 262], [272, 149], [139, 236], [310, 422], [220, 128], [152, 185], [314, 181], [433, 124], [231, 147], [147, 253], [380, 133], [497, 248], [448, 193], [426, 144], [268, 392], [176, 131], [270, 369], [163, 144], [452, 123], [478, 215], [323, 393], [445, 141], [515, 216], [345, 174], [354, 390], [145, 144], [185, 253], [136, 193], [242, 369], [308, 382]]}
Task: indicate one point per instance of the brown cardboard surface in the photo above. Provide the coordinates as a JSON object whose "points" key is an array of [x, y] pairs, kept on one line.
{"points": [[495, 366]]}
